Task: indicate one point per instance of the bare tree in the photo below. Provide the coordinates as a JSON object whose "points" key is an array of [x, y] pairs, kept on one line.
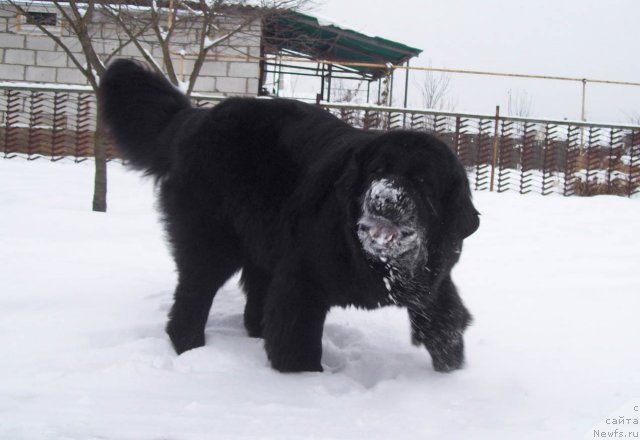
{"points": [[207, 23], [185, 31], [436, 88], [78, 18], [344, 93], [633, 117], [519, 103]]}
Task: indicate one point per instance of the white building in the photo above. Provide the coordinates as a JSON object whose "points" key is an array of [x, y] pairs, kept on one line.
{"points": [[27, 54]]}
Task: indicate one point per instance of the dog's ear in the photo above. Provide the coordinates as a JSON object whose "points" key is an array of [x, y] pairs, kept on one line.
{"points": [[349, 178], [329, 182], [461, 216], [336, 176]]}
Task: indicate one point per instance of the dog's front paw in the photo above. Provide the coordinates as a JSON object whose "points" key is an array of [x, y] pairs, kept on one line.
{"points": [[288, 359], [295, 365], [447, 354], [184, 339]]}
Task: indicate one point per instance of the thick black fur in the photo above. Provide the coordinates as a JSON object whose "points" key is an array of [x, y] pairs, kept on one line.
{"points": [[275, 188]]}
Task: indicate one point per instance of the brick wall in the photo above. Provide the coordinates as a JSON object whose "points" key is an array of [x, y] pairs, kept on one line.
{"points": [[26, 54]]}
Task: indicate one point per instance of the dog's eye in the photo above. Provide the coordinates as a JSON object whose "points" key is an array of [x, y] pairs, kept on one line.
{"points": [[419, 179], [379, 170], [406, 233]]}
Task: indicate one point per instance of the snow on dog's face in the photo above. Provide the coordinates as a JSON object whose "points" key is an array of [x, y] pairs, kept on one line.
{"points": [[390, 228], [413, 207], [408, 206]]}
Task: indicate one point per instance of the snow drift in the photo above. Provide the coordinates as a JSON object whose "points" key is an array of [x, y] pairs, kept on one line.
{"points": [[553, 353]]}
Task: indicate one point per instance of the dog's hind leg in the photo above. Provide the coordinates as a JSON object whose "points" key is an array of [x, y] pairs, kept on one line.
{"points": [[255, 283], [207, 255]]}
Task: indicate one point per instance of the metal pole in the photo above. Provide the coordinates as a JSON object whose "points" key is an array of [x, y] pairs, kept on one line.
{"points": [[430, 69], [330, 69], [390, 98], [279, 78], [406, 86], [406, 95], [583, 116], [322, 82], [494, 160]]}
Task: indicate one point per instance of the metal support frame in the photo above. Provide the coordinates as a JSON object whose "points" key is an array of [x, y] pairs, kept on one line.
{"points": [[406, 91]]}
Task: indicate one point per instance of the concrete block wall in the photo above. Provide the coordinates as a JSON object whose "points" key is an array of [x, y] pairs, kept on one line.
{"points": [[28, 55]]}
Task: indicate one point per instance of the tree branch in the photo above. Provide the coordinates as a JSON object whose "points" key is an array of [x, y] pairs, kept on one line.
{"points": [[133, 36], [82, 24], [205, 46], [86, 71]]}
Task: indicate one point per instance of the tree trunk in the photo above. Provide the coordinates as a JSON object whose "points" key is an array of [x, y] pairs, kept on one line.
{"points": [[100, 183]]}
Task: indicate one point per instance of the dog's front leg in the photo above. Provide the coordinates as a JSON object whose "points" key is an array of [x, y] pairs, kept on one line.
{"points": [[293, 322], [440, 327]]}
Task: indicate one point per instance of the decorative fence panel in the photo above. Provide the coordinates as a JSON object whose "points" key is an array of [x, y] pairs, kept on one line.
{"points": [[46, 122], [526, 155], [500, 153]]}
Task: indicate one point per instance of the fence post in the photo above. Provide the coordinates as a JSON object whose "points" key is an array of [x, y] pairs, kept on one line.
{"points": [[583, 114], [494, 159]]}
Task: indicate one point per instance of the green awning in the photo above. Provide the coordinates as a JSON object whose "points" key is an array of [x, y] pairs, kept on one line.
{"points": [[308, 36]]}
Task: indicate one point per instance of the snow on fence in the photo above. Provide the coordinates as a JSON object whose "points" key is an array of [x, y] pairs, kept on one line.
{"points": [[501, 153]]}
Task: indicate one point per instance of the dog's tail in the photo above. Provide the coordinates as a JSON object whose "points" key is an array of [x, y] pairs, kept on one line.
{"points": [[138, 105]]}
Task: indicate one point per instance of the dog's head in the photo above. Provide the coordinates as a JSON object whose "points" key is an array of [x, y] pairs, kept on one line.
{"points": [[412, 198]]}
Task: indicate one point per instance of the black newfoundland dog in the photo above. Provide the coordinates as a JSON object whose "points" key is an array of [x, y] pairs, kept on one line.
{"points": [[316, 214]]}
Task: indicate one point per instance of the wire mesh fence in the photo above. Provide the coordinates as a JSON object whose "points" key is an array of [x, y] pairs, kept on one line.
{"points": [[500, 153]]}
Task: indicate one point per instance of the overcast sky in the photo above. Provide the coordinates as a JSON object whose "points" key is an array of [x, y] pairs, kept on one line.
{"points": [[596, 39]]}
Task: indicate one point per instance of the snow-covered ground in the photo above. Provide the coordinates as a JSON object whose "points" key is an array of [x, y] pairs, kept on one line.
{"points": [[553, 353]]}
